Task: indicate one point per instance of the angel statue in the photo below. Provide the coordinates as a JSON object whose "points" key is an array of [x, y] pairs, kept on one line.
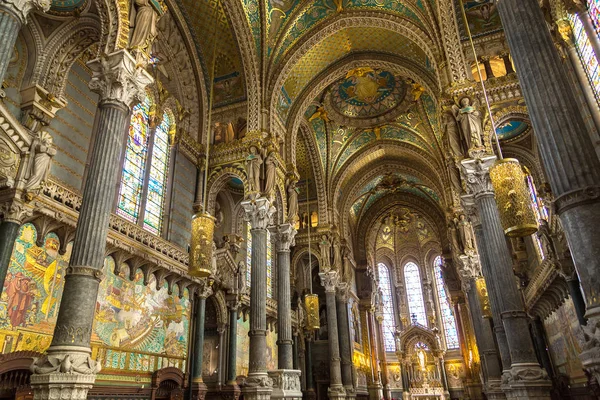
{"points": [[470, 122], [292, 202], [42, 152], [253, 164], [270, 175], [142, 19]]}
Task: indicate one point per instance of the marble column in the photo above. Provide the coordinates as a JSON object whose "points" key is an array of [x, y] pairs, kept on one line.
{"points": [[577, 297], [286, 380], [387, 394], [508, 64], [336, 390], [344, 337], [13, 15], [566, 150], [375, 389], [470, 270], [258, 213], [525, 379], [231, 390], [119, 82], [14, 213], [539, 339], [310, 393], [199, 388], [295, 361]]}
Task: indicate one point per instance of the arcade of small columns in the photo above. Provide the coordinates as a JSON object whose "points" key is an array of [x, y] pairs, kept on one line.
{"points": [[67, 371]]}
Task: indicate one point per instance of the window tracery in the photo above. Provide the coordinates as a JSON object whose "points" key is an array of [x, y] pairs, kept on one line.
{"points": [[144, 179], [586, 51], [414, 294], [448, 320], [389, 323]]}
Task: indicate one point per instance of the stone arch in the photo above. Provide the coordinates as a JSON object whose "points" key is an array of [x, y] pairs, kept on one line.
{"points": [[217, 181], [409, 337], [317, 172]]}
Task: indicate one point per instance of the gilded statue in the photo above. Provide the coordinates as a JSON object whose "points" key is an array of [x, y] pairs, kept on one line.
{"points": [[471, 125], [253, 164], [41, 153], [142, 19]]}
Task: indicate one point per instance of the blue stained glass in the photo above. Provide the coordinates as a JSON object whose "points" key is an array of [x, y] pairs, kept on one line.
{"points": [[414, 293], [389, 323], [448, 320]]}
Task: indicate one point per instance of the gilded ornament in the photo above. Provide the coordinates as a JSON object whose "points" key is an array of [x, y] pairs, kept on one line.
{"points": [[311, 303], [201, 249]]}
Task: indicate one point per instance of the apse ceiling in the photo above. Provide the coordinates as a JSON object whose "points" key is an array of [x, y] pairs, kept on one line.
{"points": [[401, 226]]}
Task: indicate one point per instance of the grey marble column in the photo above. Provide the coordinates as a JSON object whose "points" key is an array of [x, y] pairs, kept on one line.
{"points": [[118, 81], [231, 390], [258, 213], [566, 149], [199, 388], [525, 379], [310, 393], [14, 213], [336, 390], [470, 270], [13, 15], [387, 394], [284, 240], [344, 337]]}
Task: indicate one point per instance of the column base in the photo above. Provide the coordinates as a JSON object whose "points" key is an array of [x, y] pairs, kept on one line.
{"points": [[375, 391], [231, 391], [336, 392], [527, 381], [387, 392], [286, 384], [493, 390], [310, 394], [199, 390], [258, 386], [64, 373], [350, 392]]}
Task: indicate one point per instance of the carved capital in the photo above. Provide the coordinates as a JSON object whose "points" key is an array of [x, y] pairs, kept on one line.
{"points": [[21, 8], [477, 176], [15, 211], [468, 203], [204, 288], [586, 195], [329, 280], [117, 78], [285, 237], [65, 363], [469, 266], [258, 212]]}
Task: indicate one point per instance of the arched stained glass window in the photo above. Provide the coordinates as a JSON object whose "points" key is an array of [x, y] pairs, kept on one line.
{"points": [[414, 294], [389, 323], [143, 187], [594, 11], [447, 316], [269, 261], [540, 211], [586, 53]]}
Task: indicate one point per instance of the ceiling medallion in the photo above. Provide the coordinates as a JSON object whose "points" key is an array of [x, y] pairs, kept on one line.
{"points": [[366, 96]]}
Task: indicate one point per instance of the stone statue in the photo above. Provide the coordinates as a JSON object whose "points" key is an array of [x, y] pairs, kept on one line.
{"points": [[450, 129], [241, 276], [269, 176], [453, 236], [253, 163], [301, 313], [292, 202], [142, 19], [41, 155], [470, 121], [337, 255], [467, 237], [218, 215], [325, 246]]}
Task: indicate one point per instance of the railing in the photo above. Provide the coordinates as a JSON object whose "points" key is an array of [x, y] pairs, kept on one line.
{"points": [[114, 359]]}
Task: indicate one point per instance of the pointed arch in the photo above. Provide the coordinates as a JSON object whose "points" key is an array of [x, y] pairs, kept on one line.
{"points": [[414, 294], [447, 316]]}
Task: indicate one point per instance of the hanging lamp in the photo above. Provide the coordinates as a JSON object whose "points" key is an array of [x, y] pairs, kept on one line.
{"points": [[508, 179], [311, 300]]}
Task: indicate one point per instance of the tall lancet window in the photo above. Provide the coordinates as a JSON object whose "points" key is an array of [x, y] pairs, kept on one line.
{"points": [[447, 316], [586, 53], [144, 178], [594, 11], [269, 261], [414, 294], [389, 323]]}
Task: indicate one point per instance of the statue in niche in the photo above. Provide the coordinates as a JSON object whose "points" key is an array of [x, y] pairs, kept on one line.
{"points": [[142, 18], [453, 236], [241, 276], [337, 254], [467, 237], [471, 125], [292, 202], [325, 246], [218, 215], [253, 164], [450, 129], [270, 175], [41, 153]]}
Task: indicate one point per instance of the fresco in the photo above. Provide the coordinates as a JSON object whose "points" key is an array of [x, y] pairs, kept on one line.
{"points": [[140, 320], [32, 291], [565, 336]]}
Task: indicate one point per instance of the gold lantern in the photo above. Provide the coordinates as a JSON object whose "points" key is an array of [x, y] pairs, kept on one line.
{"points": [[311, 302], [513, 198], [201, 252], [484, 300]]}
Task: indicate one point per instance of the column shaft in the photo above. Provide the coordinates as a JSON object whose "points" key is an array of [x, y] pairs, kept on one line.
{"points": [[284, 311], [383, 358], [577, 297], [333, 339], [344, 335], [199, 339], [258, 302], [231, 371], [9, 231], [566, 149], [308, 366], [9, 30]]}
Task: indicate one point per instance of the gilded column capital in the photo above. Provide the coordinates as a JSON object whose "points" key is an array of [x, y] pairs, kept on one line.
{"points": [[21, 8], [258, 212], [285, 235], [477, 176], [116, 77], [16, 211], [329, 280]]}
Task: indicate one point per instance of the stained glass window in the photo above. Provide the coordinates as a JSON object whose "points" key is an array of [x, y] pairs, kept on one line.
{"points": [[594, 11], [269, 261], [389, 323], [141, 169], [586, 54], [414, 294], [447, 316]]}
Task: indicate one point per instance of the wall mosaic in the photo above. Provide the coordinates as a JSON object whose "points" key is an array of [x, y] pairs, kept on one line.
{"points": [[243, 348], [482, 15]]}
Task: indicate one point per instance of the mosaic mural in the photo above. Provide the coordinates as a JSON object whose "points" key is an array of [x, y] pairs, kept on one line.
{"points": [[511, 129], [137, 327], [483, 17], [243, 348], [32, 291]]}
